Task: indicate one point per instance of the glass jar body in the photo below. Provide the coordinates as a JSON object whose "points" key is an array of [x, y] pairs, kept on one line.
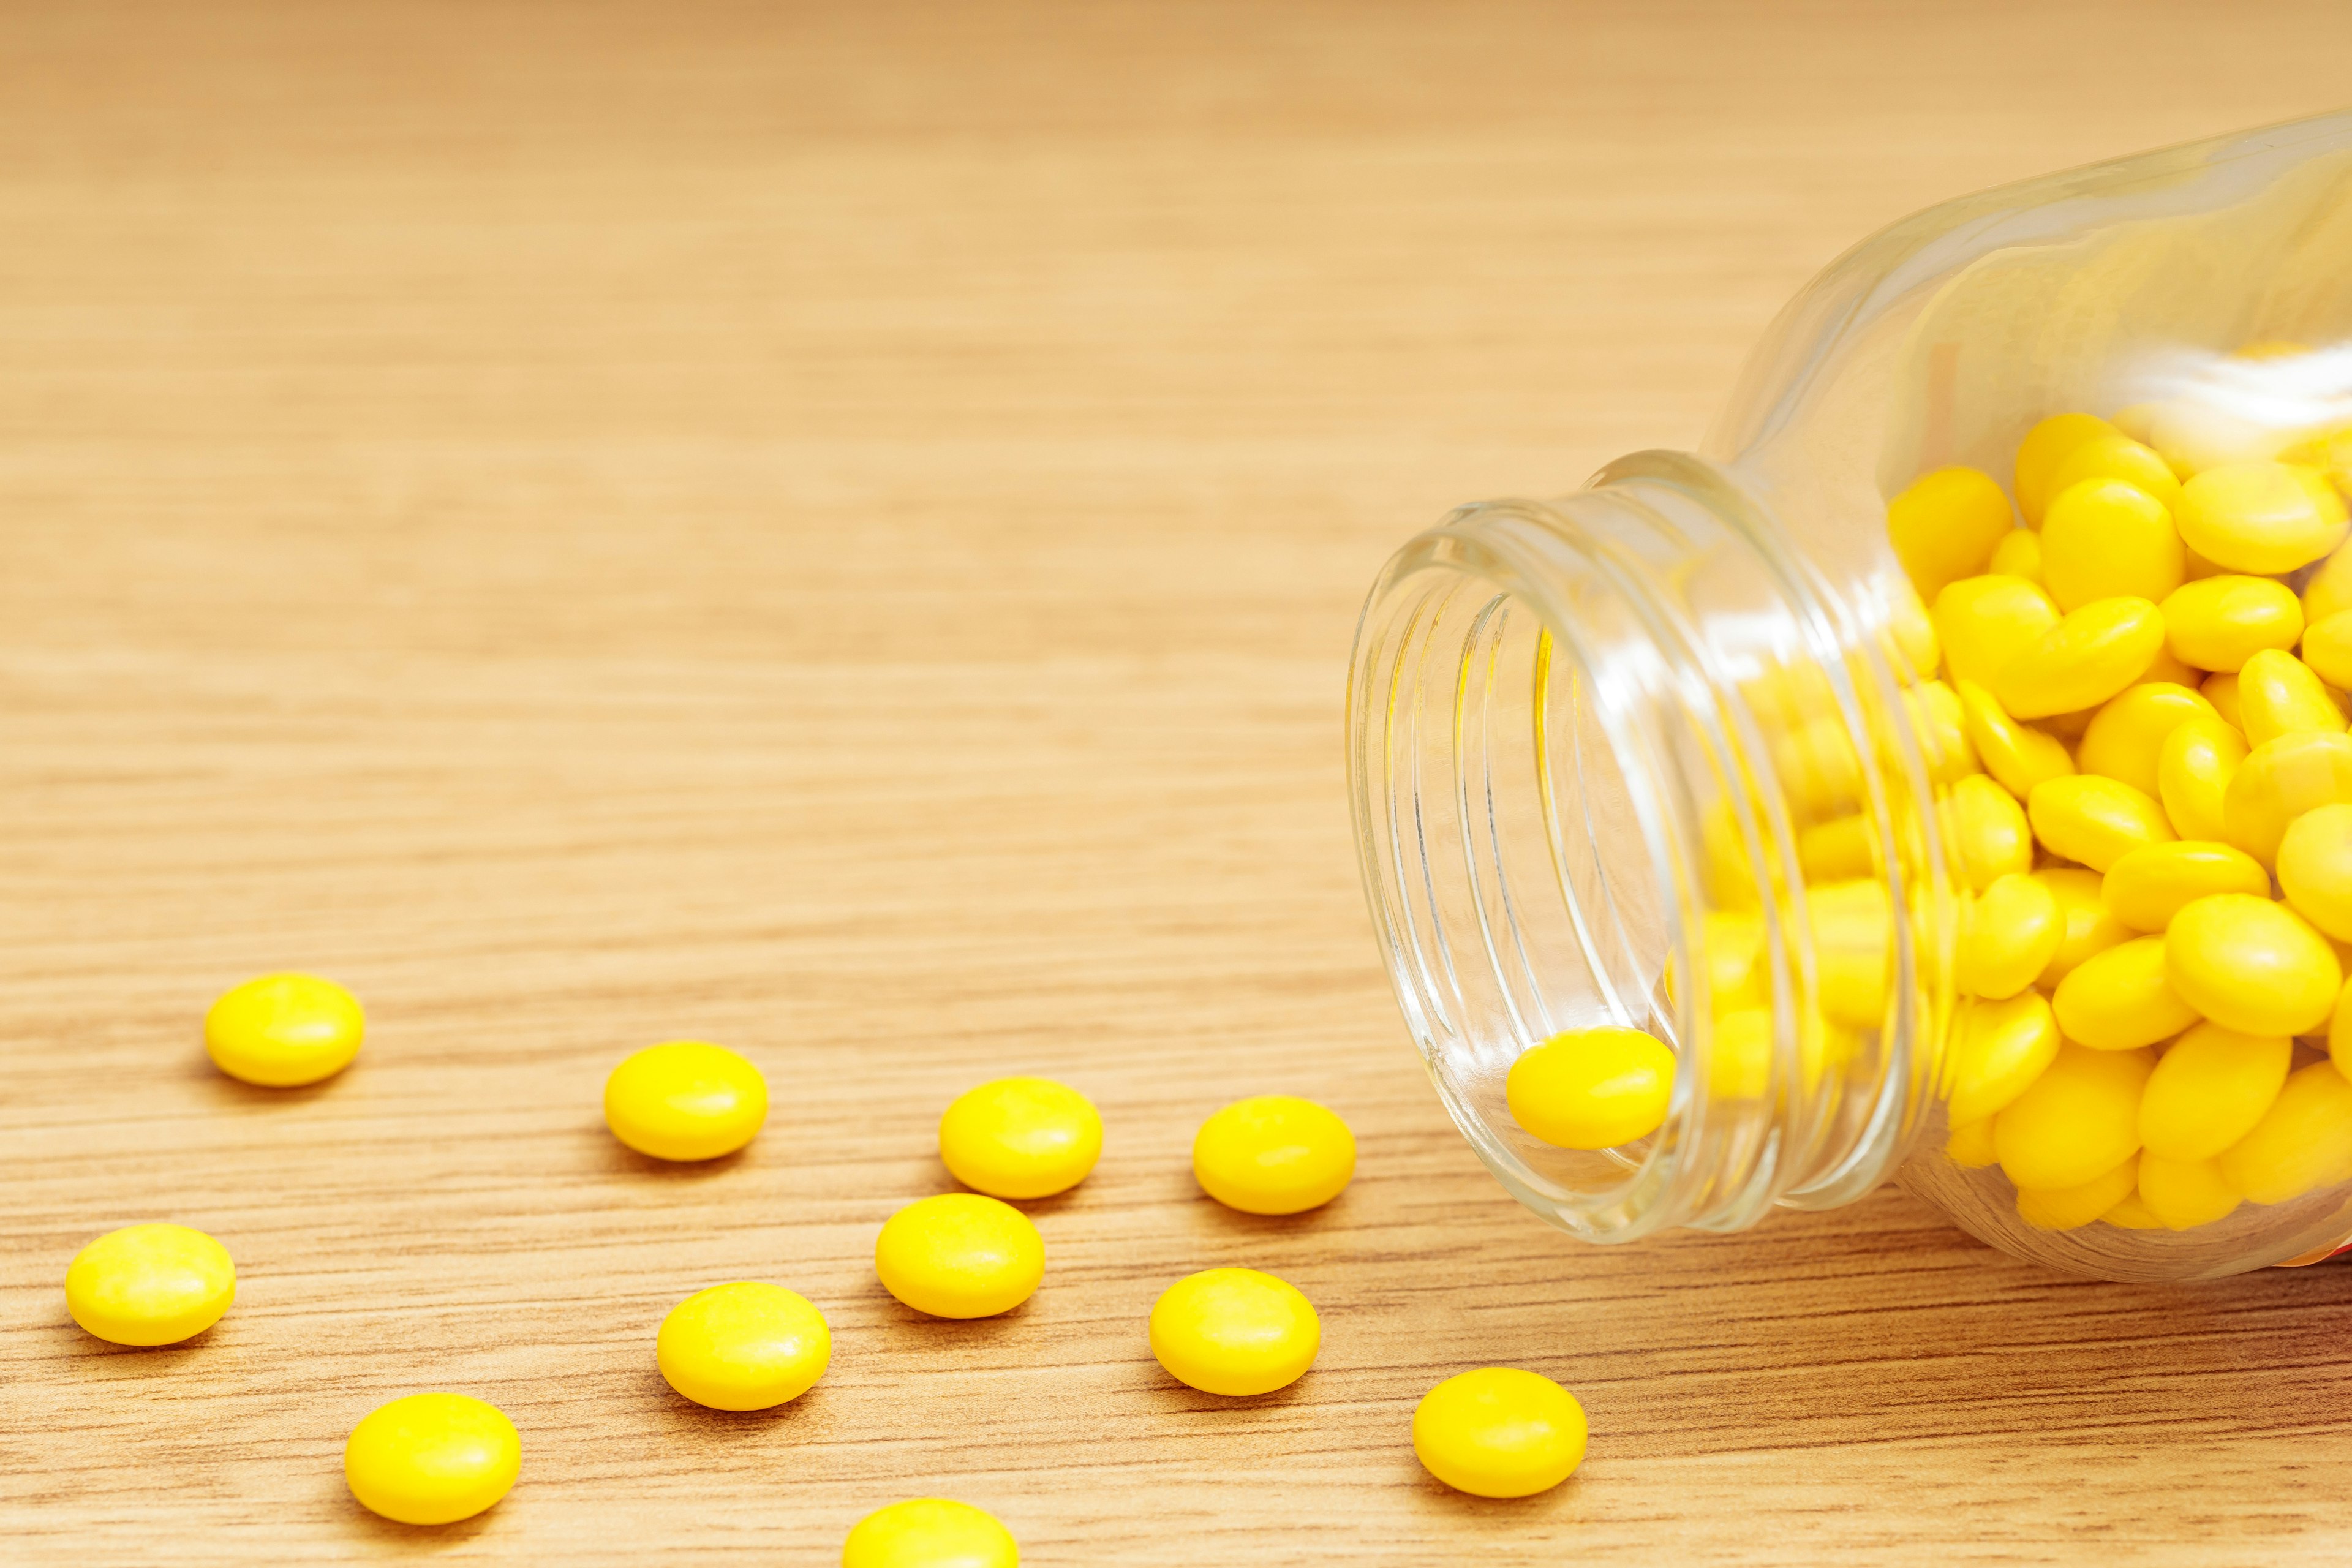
{"points": [[1690, 752]]}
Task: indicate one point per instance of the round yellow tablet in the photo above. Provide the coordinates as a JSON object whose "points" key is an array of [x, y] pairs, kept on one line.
{"points": [[686, 1101], [1234, 1332], [284, 1029], [1021, 1138], [1274, 1153], [1499, 1431], [432, 1459], [960, 1255], [929, 1533], [745, 1346], [150, 1284]]}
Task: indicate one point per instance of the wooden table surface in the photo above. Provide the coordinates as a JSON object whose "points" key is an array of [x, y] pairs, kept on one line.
{"points": [[836, 529]]}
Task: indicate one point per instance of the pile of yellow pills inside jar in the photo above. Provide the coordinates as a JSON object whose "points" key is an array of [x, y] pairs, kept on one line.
{"points": [[2122, 741]]}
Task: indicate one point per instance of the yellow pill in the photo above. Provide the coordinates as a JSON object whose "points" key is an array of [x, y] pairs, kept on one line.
{"points": [[2075, 1123], [960, 1255], [1276, 1153], [2329, 592], [1731, 942], [2148, 887], [1844, 848], [2278, 782], [2016, 754], [2070, 1208], [1021, 1138], [2128, 734], [2164, 667], [2315, 868], [929, 1533], [1989, 831], [2327, 649], [1945, 526], [2193, 770], [150, 1285], [1592, 1089], [1499, 1431], [2091, 929], [2089, 656], [744, 1346], [2132, 1214], [2221, 691], [2019, 555], [1853, 926], [2193, 436], [2094, 821], [2278, 695], [2116, 456], [2010, 935], [2251, 965], [1739, 1057], [1971, 1147], [2260, 517], [1985, 623], [284, 1029], [2185, 1193], [1997, 1050], [2302, 1143], [2046, 446], [1912, 633], [2209, 1088], [2220, 622], [1724, 860], [432, 1459], [2103, 538], [1940, 726], [2122, 999], [1234, 1332], [687, 1100], [1818, 765]]}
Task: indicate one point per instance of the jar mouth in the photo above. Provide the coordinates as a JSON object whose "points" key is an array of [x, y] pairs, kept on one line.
{"points": [[1537, 735]]}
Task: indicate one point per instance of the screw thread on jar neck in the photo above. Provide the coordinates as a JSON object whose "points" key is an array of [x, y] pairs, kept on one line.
{"points": [[1589, 740]]}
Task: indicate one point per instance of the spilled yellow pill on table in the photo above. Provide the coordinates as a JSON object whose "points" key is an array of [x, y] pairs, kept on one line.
{"points": [[687, 1100], [1021, 1138], [150, 1285], [929, 1533], [748, 1345], [1274, 1153], [1592, 1089], [1234, 1332], [1499, 1431], [2251, 965], [960, 1255], [284, 1030], [432, 1459]]}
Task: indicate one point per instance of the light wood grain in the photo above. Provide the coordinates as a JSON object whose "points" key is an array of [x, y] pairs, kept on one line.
{"points": [[835, 529]]}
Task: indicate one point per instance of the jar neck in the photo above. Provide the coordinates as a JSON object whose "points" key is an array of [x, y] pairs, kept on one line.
{"points": [[1597, 744]]}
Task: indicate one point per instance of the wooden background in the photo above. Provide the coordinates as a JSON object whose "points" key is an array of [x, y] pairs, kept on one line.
{"points": [[836, 529]]}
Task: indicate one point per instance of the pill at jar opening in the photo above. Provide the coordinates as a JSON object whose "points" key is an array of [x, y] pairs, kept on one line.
{"points": [[1234, 1332], [150, 1284], [929, 1533], [960, 1255], [1021, 1138], [1591, 1089], [686, 1099], [432, 1459], [1499, 1431], [284, 1030], [1274, 1153], [1945, 526]]}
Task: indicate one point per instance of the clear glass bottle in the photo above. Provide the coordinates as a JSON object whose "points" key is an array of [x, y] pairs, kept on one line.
{"points": [[1607, 749]]}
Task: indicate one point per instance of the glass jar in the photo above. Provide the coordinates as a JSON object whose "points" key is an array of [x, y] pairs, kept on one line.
{"points": [[1681, 752]]}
